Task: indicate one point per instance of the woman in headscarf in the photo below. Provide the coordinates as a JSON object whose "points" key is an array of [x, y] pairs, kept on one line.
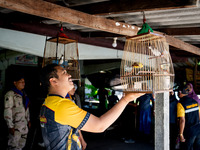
{"points": [[192, 94]]}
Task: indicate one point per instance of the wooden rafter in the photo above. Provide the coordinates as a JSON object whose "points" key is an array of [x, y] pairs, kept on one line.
{"points": [[128, 6], [181, 31], [63, 14], [182, 45], [59, 13]]}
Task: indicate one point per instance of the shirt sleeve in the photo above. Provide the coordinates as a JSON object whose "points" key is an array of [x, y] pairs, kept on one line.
{"points": [[180, 110], [8, 106], [68, 113], [27, 113]]}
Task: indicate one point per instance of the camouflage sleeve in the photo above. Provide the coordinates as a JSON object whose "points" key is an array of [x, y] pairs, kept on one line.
{"points": [[27, 115], [8, 105]]}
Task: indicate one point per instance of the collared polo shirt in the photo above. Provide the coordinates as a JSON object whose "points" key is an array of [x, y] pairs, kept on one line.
{"points": [[60, 121]]}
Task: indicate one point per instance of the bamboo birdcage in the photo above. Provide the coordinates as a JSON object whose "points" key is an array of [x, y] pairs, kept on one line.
{"points": [[63, 51], [146, 65]]}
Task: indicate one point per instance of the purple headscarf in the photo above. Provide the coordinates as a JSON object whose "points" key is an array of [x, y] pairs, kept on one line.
{"points": [[192, 94]]}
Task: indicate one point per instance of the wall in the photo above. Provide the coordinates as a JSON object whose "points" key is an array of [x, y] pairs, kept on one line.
{"points": [[34, 44]]}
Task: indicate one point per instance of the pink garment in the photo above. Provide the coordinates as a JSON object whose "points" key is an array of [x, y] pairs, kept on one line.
{"points": [[193, 94]]}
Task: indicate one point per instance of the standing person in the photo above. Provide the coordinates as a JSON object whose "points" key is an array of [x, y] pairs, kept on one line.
{"points": [[16, 114], [61, 119], [192, 93], [188, 111], [173, 120], [75, 98], [113, 99], [103, 96], [145, 113]]}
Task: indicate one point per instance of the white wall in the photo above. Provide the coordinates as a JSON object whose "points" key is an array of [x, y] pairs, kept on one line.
{"points": [[34, 44], [96, 52], [22, 42]]}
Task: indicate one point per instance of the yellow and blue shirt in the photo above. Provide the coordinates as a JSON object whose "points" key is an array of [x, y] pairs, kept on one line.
{"points": [[188, 108], [60, 120]]}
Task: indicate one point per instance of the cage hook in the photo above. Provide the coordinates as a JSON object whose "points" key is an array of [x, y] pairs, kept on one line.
{"points": [[144, 18]]}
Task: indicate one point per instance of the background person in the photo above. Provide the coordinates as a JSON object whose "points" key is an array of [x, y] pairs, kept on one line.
{"points": [[75, 98], [113, 99], [192, 93], [188, 111], [173, 120], [145, 113], [103, 96], [16, 114]]}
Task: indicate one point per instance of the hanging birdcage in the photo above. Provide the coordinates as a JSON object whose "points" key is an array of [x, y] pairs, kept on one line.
{"points": [[63, 51], [146, 65]]}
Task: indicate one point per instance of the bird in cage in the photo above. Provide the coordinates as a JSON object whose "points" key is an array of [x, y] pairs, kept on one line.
{"points": [[61, 60], [146, 64], [155, 51], [63, 51], [137, 65]]}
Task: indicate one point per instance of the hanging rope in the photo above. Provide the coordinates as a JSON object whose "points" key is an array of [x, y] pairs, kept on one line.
{"points": [[144, 18]]}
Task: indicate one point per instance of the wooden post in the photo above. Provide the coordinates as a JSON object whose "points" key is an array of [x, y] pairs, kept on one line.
{"points": [[195, 75]]}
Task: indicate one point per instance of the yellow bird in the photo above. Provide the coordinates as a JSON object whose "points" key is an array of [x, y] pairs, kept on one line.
{"points": [[137, 65]]}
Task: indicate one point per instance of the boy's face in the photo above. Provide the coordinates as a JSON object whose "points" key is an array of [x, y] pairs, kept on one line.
{"points": [[20, 84], [64, 79]]}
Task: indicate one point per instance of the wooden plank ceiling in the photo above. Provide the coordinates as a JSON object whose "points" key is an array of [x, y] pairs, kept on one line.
{"points": [[97, 22]]}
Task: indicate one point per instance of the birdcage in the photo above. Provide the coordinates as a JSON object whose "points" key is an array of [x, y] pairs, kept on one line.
{"points": [[63, 51], [146, 65]]}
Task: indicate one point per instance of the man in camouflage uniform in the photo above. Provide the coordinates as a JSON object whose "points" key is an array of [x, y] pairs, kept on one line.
{"points": [[16, 114]]}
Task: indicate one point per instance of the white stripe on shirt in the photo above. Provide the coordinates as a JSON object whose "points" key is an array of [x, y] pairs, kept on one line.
{"points": [[192, 109]]}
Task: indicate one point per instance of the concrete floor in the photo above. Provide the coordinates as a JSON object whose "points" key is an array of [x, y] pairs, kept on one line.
{"points": [[109, 140], [118, 144], [113, 144], [102, 142]]}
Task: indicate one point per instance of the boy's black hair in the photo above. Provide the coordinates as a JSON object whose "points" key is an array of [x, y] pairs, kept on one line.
{"points": [[47, 73]]}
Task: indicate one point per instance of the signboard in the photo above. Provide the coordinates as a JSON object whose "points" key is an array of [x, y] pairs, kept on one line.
{"points": [[27, 60]]}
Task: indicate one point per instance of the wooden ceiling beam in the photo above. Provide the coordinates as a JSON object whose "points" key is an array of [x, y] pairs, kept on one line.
{"points": [[63, 14], [127, 6], [182, 45], [75, 2], [181, 31], [59, 13], [100, 34]]}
